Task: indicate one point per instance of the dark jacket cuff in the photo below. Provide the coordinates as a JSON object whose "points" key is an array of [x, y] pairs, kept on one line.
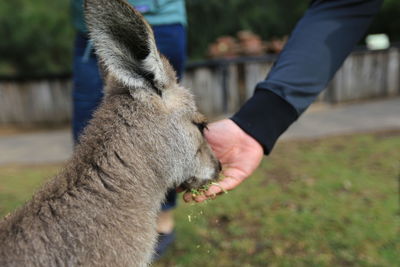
{"points": [[265, 116]]}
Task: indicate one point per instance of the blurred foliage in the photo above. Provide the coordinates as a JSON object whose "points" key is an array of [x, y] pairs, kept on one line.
{"points": [[36, 36], [388, 20], [213, 18]]}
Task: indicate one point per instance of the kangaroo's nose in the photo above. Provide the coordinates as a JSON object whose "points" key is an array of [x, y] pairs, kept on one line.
{"points": [[219, 166]]}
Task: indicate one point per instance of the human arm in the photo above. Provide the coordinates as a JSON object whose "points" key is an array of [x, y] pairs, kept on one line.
{"points": [[317, 47]]}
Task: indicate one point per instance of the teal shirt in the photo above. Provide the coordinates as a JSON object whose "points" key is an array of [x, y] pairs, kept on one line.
{"points": [[157, 12]]}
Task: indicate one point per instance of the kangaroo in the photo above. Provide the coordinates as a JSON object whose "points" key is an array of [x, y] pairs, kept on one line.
{"points": [[145, 138]]}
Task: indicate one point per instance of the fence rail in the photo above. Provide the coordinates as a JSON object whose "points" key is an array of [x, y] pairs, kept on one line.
{"points": [[220, 86], [224, 86]]}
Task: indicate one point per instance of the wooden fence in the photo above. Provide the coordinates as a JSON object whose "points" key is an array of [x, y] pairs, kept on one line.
{"points": [[220, 86], [30, 101]]}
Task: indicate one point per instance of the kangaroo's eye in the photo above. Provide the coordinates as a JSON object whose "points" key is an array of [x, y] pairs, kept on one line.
{"points": [[201, 126]]}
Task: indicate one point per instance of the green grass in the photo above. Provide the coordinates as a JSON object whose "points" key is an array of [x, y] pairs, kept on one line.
{"points": [[332, 202], [18, 183]]}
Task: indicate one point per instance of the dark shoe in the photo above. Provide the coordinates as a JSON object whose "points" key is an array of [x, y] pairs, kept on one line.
{"points": [[163, 242]]}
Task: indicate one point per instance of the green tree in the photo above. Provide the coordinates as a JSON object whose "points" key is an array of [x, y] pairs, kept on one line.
{"points": [[36, 37]]}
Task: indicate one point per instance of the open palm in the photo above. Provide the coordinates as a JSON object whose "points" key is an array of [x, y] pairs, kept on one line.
{"points": [[239, 154]]}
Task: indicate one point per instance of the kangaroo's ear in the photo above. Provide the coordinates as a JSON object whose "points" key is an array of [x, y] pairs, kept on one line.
{"points": [[125, 45]]}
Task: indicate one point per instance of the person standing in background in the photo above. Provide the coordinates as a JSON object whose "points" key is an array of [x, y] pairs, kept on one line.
{"points": [[168, 20]]}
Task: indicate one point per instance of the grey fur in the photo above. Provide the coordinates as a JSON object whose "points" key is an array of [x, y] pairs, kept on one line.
{"points": [[101, 209]]}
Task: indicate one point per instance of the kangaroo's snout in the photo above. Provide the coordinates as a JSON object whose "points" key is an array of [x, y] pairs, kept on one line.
{"points": [[207, 175]]}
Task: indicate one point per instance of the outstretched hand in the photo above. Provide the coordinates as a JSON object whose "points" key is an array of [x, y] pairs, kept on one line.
{"points": [[239, 154]]}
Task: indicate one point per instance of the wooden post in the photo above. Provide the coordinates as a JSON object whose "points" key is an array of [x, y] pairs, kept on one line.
{"points": [[255, 72], [393, 73]]}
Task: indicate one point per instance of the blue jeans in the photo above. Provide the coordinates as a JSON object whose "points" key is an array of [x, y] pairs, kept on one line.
{"points": [[87, 84]]}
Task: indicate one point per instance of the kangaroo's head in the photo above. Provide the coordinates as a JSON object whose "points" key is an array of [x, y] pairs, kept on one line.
{"points": [[167, 117]]}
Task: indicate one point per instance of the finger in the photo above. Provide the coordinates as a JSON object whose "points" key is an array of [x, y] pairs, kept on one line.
{"points": [[187, 197], [200, 198], [212, 197], [228, 183], [213, 190]]}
